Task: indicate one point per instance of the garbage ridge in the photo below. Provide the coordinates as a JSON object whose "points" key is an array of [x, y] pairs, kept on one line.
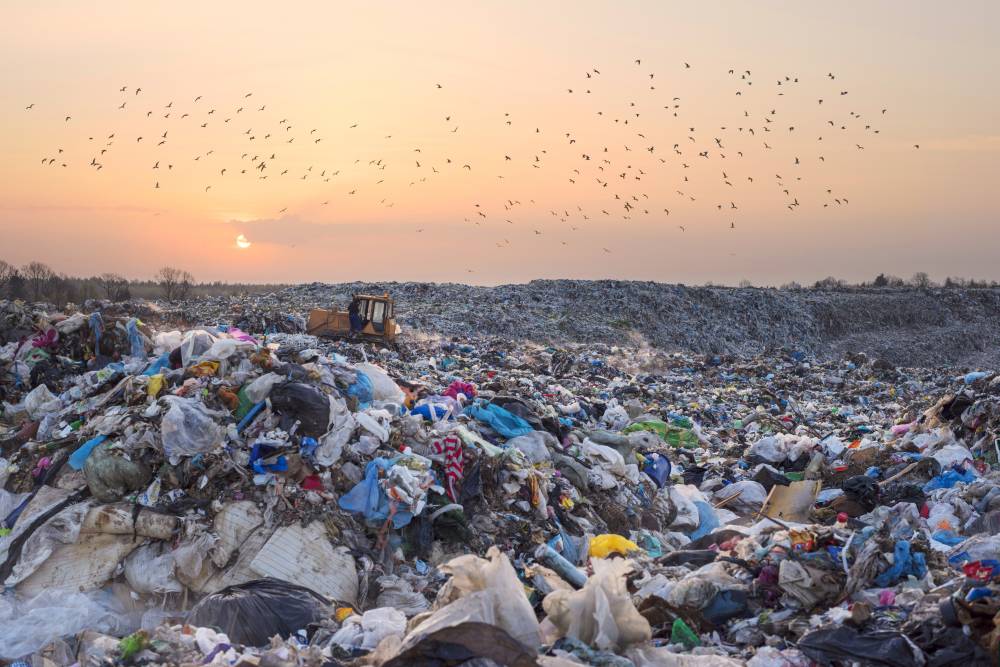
{"points": [[239, 492], [903, 326]]}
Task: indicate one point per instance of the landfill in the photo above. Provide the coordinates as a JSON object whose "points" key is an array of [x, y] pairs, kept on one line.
{"points": [[234, 491]]}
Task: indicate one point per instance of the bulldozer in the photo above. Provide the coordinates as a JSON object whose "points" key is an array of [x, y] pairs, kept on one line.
{"points": [[374, 320]]}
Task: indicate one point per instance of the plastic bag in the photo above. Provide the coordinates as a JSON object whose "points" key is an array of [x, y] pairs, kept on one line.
{"points": [[110, 475], [603, 546], [375, 422], [194, 344], [40, 402], [845, 644], [398, 593], [253, 612], [600, 614], [188, 428], [260, 388], [708, 520], [687, 512], [30, 625], [167, 341], [137, 344], [751, 495], [368, 498], [384, 388], [365, 632], [615, 418], [502, 421], [341, 428], [150, 569], [952, 454], [362, 389], [770, 448], [302, 402], [492, 589], [535, 445]]}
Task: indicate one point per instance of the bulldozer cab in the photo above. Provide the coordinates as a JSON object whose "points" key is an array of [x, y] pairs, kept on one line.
{"points": [[369, 317]]}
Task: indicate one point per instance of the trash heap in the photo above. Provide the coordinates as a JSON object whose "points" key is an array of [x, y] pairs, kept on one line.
{"points": [[242, 493]]}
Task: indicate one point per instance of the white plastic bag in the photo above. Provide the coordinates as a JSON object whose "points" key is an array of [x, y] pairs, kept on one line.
{"points": [[259, 389], [384, 388], [375, 422], [150, 569], [535, 445], [365, 632], [488, 591], [40, 402], [188, 428], [770, 448], [601, 614]]}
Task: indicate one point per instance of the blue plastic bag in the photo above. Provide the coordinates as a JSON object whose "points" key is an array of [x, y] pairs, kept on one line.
{"points": [[948, 479], [368, 498], [431, 412], [97, 327], [161, 362], [707, 520], [904, 564], [502, 421], [362, 389], [138, 348], [78, 458]]}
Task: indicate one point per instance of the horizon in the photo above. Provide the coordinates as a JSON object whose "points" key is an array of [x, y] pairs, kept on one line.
{"points": [[325, 68]]}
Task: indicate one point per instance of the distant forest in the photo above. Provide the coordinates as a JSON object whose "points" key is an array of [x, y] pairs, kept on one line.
{"points": [[36, 281]]}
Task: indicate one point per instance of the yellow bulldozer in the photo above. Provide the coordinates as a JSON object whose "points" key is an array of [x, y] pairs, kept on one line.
{"points": [[369, 318]]}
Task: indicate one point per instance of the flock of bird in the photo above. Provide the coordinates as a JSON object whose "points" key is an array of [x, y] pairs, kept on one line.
{"points": [[650, 159]]}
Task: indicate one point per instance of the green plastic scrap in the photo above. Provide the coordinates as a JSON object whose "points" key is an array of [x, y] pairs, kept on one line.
{"points": [[133, 644], [673, 434], [680, 633]]}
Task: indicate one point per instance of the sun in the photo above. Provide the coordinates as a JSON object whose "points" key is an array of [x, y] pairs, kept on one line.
{"points": [[242, 242]]}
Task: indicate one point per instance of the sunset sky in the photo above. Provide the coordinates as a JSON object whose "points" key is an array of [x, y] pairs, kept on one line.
{"points": [[323, 67]]}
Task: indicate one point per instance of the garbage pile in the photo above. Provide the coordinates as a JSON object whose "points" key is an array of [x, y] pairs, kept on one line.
{"points": [[247, 495], [905, 326]]}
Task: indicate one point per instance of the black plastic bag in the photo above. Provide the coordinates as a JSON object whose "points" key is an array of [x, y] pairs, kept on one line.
{"points": [[307, 404], [458, 644], [253, 612], [836, 645]]}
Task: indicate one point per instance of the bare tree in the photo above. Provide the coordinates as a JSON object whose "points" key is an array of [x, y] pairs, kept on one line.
{"points": [[175, 283], [921, 279], [745, 284], [38, 276], [115, 286], [7, 272]]}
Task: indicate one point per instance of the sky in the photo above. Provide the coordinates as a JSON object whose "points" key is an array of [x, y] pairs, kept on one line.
{"points": [[395, 90]]}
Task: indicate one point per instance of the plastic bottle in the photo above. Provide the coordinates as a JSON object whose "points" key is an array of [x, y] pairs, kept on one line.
{"points": [[555, 561]]}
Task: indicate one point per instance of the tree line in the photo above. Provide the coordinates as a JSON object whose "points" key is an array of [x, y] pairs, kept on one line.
{"points": [[37, 281]]}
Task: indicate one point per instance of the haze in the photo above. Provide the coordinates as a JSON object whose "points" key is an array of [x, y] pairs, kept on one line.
{"points": [[327, 66]]}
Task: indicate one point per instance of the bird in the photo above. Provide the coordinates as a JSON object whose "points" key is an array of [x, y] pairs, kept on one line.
{"points": [[681, 227], [916, 145], [30, 106], [439, 85]]}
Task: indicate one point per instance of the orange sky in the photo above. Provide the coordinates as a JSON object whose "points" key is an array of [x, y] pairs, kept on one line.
{"points": [[325, 66]]}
